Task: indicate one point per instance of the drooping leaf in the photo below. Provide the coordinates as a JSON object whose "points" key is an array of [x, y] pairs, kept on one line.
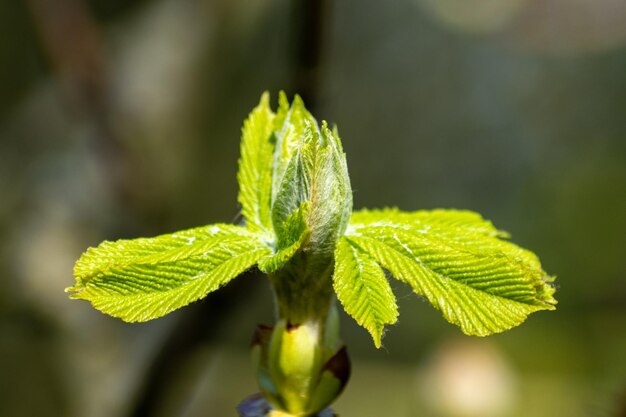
{"points": [[363, 289], [456, 260], [255, 166], [146, 278]]}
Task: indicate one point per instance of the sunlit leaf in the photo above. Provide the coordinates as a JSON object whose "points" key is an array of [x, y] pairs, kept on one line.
{"points": [[255, 166], [450, 220], [293, 234], [455, 259], [146, 278], [315, 174]]}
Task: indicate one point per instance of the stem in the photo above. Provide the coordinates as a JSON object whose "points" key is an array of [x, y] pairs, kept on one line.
{"points": [[301, 364], [303, 292]]}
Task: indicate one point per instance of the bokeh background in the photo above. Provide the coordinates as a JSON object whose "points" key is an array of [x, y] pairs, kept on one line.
{"points": [[121, 118]]}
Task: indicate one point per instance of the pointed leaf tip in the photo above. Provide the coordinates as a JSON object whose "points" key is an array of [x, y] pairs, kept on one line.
{"points": [[265, 98]]}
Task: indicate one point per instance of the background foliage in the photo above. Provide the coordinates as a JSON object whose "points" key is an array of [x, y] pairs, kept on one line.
{"points": [[121, 119]]}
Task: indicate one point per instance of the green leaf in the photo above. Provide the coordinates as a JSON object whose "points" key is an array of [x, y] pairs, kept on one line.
{"points": [[363, 289], [281, 113], [331, 192], [456, 260], [290, 192], [316, 173], [255, 166], [146, 278], [290, 128], [293, 234], [452, 220]]}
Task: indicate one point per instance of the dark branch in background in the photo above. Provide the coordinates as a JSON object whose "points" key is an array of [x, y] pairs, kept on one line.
{"points": [[310, 18]]}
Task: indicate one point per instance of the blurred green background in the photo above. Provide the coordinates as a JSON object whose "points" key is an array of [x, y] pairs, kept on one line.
{"points": [[122, 118]]}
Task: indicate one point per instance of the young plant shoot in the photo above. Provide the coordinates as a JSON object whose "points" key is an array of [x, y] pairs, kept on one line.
{"points": [[300, 230]]}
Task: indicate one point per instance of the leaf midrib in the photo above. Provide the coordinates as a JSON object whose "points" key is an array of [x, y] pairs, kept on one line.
{"points": [[197, 279], [448, 279], [451, 244]]}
